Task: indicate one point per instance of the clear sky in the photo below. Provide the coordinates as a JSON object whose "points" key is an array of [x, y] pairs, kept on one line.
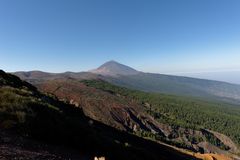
{"points": [[164, 36]]}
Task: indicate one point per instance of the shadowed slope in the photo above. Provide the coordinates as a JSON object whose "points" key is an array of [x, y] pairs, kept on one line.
{"points": [[40, 119]]}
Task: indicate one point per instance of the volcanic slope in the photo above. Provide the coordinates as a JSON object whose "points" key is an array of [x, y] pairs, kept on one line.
{"points": [[34, 125], [179, 121]]}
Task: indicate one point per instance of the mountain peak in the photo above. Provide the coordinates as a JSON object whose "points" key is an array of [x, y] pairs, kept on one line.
{"points": [[112, 62], [113, 68]]}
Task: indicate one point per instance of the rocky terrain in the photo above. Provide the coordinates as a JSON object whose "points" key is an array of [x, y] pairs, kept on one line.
{"points": [[34, 125], [136, 115], [117, 111], [13, 146]]}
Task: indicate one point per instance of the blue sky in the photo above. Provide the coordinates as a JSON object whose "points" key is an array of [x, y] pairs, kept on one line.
{"points": [[164, 36]]}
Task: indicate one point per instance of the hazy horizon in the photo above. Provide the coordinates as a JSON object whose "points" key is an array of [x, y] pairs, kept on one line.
{"points": [[230, 76]]}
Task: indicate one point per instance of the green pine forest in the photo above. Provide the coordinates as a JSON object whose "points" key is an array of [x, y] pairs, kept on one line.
{"points": [[179, 111]]}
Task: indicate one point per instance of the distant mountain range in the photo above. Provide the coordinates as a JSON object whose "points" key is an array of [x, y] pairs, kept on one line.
{"points": [[188, 113], [123, 75]]}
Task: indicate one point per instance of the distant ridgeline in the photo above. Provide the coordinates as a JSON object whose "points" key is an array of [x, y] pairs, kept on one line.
{"points": [[125, 76]]}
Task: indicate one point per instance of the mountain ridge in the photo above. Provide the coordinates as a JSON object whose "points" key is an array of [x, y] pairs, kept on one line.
{"points": [[37, 73], [125, 76]]}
